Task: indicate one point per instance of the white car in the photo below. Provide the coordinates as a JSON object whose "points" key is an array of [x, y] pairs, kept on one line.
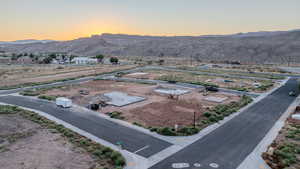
{"points": [[63, 102]]}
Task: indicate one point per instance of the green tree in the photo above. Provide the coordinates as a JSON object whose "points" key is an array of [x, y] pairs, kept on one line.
{"points": [[114, 60], [100, 58], [47, 60]]}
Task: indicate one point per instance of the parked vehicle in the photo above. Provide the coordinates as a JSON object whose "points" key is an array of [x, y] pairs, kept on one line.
{"points": [[292, 93], [211, 89], [63, 102]]}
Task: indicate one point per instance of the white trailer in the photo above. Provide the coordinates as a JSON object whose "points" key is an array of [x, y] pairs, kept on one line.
{"points": [[63, 102]]}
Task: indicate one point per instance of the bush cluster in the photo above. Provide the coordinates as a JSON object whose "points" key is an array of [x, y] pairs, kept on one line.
{"points": [[169, 131], [8, 109], [286, 154], [220, 111], [94, 148], [30, 93], [115, 115]]}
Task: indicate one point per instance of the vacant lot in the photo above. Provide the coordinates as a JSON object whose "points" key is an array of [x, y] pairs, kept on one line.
{"points": [[28, 145], [158, 110], [243, 72], [284, 152], [230, 83], [12, 75]]}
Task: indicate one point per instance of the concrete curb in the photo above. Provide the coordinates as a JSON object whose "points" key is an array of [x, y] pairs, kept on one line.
{"points": [[133, 161], [182, 142], [254, 159]]}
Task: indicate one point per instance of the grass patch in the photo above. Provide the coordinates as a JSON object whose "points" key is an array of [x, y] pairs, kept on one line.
{"points": [[99, 151], [45, 97]]}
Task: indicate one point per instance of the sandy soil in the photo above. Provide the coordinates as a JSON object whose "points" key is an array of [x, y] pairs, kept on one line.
{"points": [[37, 148], [14, 75], [156, 110]]}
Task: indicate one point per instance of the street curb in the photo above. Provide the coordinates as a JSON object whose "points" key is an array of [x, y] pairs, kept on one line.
{"points": [[133, 161], [254, 159]]}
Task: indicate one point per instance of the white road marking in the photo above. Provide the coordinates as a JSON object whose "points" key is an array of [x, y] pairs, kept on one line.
{"points": [[214, 165], [141, 149], [180, 165], [197, 165]]}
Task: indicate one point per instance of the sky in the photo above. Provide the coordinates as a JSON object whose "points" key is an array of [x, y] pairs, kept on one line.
{"points": [[71, 19]]}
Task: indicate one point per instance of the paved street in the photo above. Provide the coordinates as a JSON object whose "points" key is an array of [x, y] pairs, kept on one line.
{"points": [[227, 146], [112, 132]]}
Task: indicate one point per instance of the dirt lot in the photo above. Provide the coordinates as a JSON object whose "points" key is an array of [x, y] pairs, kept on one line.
{"points": [[17, 74], [231, 83], [284, 152], [157, 110], [26, 145]]}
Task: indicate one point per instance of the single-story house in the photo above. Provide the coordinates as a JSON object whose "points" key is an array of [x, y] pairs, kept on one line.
{"points": [[84, 60]]}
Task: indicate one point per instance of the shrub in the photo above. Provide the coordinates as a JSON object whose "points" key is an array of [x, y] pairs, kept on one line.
{"points": [[8, 109], [115, 115], [287, 154], [30, 93], [166, 131], [137, 124], [97, 153], [45, 97], [114, 60], [213, 119], [153, 129], [207, 114]]}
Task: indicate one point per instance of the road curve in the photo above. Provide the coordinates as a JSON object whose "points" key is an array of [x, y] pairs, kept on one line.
{"points": [[132, 140]]}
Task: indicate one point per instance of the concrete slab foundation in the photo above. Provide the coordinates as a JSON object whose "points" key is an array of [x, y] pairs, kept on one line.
{"points": [[215, 99], [122, 99], [171, 91]]}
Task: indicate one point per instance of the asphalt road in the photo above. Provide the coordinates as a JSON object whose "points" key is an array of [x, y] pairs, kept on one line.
{"points": [[131, 139], [231, 143]]}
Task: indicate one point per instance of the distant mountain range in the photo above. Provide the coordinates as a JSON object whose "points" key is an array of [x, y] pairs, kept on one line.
{"points": [[254, 47], [28, 41]]}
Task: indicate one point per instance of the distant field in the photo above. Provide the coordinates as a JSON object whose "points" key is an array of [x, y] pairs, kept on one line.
{"points": [[13, 75]]}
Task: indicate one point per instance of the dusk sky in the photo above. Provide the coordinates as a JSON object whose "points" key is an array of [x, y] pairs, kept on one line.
{"points": [[70, 19]]}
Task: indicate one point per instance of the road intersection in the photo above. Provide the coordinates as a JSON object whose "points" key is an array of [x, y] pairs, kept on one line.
{"points": [[225, 147]]}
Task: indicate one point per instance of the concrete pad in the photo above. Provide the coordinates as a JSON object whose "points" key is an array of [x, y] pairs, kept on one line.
{"points": [[137, 74], [216, 99], [122, 99], [171, 91]]}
